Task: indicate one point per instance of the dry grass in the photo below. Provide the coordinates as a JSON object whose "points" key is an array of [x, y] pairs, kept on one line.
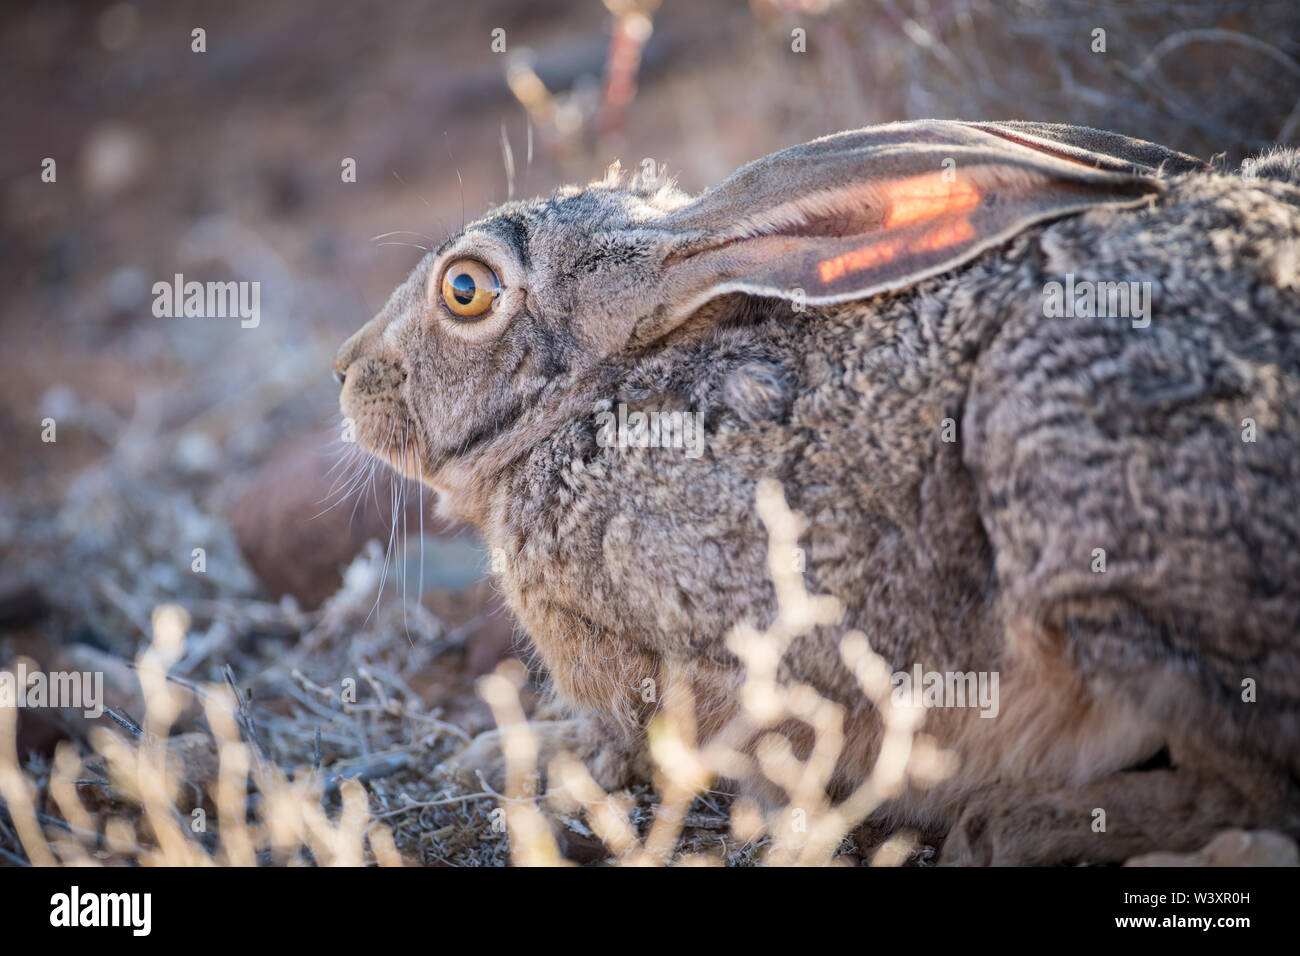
{"points": [[141, 795]]}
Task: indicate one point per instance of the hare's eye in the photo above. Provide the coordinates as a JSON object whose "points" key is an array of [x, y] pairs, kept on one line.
{"points": [[469, 288]]}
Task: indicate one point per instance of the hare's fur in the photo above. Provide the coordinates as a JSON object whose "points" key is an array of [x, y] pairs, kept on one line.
{"points": [[1120, 690]]}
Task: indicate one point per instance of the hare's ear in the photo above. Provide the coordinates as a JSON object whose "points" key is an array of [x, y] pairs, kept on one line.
{"points": [[858, 213], [1095, 147]]}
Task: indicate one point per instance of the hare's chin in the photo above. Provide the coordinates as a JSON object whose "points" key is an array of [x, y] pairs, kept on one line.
{"points": [[407, 466]]}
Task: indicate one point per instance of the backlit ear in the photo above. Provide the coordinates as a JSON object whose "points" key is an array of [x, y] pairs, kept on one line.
{"points": [[876, 210]]}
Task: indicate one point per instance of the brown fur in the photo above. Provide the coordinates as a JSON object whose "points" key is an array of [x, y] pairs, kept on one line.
{"points": [[974, 555]]}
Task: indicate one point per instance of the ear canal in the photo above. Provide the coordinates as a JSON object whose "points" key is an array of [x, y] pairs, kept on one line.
{"points": [[876, 210]]}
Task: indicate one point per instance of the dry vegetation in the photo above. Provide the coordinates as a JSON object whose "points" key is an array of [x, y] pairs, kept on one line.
{"points": [[225, 795]]}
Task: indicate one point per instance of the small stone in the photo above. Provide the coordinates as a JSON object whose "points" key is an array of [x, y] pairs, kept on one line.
{"points": [[1231, 848]]}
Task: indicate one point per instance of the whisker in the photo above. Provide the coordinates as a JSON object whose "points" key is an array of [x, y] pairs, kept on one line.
{"points": [[427, 206], [406, 541], [402, 232], [341, 495], [419, 588], [344, 457], [353, 463], [508, 155], [413, 245], [528, 163], [388, 552], [353, 485], [370, 482], [459, 179]]}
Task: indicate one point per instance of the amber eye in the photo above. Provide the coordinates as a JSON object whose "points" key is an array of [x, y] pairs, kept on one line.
{"points": [[469, 288]]}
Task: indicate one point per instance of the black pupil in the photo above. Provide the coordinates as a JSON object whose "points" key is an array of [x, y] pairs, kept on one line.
{"points": [[463, 288]]}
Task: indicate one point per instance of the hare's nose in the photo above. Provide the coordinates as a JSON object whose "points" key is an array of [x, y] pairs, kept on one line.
{"points": [[348, 353], [365, 343]]}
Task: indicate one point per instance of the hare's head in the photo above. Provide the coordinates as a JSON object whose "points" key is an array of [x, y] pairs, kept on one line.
{"points": [[488, 320], [522, 301]]}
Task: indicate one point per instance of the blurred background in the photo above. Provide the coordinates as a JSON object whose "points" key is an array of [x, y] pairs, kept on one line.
{"points": [[176, 434]]}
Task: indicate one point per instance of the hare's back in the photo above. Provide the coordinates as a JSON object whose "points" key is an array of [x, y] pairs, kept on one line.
{"points": [[1138, 470]]}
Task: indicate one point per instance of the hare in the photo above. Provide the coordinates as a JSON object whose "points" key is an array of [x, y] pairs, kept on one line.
{"points": [[1035, 389]]}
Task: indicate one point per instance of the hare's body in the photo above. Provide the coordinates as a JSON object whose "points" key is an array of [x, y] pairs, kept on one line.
{"points": [[1103, 511]]}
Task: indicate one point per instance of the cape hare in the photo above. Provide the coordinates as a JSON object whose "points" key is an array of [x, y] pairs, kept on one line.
{"points": [[1035, 389]]}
